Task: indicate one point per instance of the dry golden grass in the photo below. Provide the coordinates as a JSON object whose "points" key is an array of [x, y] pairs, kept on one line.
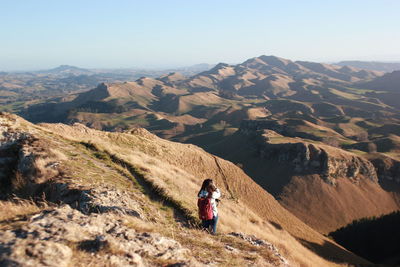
{"points": [[41, 164], [139, 224], [177, 168], [320, 200], [351, 129], [16, 212], [82, 258], [256, 113], [58, 155], [17, 207], [45, 169]]}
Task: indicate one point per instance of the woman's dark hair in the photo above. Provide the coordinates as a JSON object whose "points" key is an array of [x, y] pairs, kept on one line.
{"points": [[205, 185]]}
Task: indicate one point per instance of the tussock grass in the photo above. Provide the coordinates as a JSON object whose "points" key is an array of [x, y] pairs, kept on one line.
{"points": [[17, 207], [175, 172], [147, 185], [201, 244], [83, 258], [211, 249], [16, 212], [235, 217], [139, 224]]}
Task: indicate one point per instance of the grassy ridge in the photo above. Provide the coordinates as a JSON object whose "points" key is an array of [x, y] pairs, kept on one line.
{"points": [[139, 177]]}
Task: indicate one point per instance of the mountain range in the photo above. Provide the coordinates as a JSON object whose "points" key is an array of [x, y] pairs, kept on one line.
{"points": [[371, 65], [21, 89], [129, 199], [323, 140]]}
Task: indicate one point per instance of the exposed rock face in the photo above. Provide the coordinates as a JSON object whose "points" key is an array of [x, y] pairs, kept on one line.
{"points": [[306, 158], [28, 252], [95, 224], [19, 153], [387, 168], [98, 224], [47, 239], [259, 242], [9, 148], [95, 200], [106, 199], [24, 160], [8, 136], [311, 159]]}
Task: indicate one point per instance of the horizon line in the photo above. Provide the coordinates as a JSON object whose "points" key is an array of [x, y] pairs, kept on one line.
{"points": [[178, 66]]}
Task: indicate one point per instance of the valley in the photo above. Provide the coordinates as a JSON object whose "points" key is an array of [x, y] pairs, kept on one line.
{"points": [[128, 198], [313, 146]]}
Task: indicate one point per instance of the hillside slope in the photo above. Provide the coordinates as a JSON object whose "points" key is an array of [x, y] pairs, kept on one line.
{"points": [[318, 103], [251, 84], [324, 186], [148, 184], [388, 82]]}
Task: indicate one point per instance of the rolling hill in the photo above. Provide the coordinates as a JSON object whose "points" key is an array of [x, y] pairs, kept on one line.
{"points": [[247, 85], [388, 82], [138, 188], [324, 186], [269, 115], [19, 90]]}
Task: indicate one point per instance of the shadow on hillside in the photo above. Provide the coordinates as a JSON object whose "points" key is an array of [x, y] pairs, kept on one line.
{"points": [[276, 225], [331, 252], [389, 185], [155, 193]]}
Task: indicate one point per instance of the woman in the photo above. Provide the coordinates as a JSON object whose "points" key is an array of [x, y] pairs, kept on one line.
{"points": [[209, 190]]}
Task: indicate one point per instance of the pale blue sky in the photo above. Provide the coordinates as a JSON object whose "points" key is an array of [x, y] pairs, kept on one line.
{"points": [[120, 33]]}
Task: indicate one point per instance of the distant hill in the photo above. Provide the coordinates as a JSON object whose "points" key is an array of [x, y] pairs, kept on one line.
{"points": [[310, 179], [193, 69], [73, 70], [323, 126], [371, 65], [67, 69], [388, 82], [273, 76], [385, 88], [22, 89], [173, 103]]}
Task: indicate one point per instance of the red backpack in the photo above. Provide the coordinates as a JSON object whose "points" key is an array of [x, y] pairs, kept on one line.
{"points": [[205, 209]]}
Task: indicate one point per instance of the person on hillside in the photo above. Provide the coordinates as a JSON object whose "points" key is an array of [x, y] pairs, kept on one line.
{"points": [[209, 191]]}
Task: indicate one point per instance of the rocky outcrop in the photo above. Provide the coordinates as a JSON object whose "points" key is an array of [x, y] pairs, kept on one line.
{"points": [[94, 200], [307, 158], [253, 240], [51, 236], [387, 168], [9, 148], [113, 212], [25, 162]]}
